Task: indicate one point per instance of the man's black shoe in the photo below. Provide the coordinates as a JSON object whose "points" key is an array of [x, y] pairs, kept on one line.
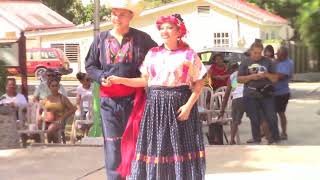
{"points": [[252, 141]]}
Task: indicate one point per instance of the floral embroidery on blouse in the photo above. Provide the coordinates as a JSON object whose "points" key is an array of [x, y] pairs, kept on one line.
{"points": [[172, 68], [116, 53]]}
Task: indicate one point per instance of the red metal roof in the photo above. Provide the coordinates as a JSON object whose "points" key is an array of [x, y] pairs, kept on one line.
{"points": [[253, 11], [31, 15]]}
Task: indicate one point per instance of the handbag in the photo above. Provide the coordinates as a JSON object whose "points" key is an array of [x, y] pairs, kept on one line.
{"points": [[263, 92], [267, 90]]}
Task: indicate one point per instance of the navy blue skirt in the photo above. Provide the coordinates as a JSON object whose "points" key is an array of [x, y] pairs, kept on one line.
{"points": [[168, 149]]}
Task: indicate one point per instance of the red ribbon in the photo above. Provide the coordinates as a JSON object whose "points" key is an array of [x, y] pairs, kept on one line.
{"points": [[130, 135]]}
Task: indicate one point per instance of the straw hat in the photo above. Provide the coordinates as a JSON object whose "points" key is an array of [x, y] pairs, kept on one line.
{"points": [[135, 6]]}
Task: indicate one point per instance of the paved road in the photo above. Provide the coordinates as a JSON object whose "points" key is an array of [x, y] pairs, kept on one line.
{"points": [[223, 163], [297, 158]]}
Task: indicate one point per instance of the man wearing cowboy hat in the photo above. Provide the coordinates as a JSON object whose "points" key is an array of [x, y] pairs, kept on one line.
{"points": [[119, 51]]}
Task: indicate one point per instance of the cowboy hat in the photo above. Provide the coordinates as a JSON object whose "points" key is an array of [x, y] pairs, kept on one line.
{"points": [[135, 6]]}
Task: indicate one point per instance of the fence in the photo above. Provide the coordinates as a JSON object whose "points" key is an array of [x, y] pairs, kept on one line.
{"points": [[306, 59]]}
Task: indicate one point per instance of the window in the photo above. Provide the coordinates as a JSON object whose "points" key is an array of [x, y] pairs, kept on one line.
{"points": [[36, 55], [72, 51], [267, 36], [221, 39], [29, 55], [273, 35], [48, 55], [203, 10]]}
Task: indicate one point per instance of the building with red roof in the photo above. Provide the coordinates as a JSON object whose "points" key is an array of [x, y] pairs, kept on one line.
{"points": [[210, 23], [28, 15]]}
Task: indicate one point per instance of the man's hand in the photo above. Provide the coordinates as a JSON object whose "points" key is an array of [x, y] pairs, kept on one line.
{"points": [[105, 82]]}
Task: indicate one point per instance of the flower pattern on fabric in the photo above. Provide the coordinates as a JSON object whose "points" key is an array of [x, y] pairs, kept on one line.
{"points": [[172, 68]]}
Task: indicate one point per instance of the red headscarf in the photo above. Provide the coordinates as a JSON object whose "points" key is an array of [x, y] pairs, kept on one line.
{"points": [[174, 19]]}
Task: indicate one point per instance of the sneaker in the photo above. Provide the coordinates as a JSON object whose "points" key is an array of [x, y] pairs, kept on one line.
{"points": [[252, 141]]}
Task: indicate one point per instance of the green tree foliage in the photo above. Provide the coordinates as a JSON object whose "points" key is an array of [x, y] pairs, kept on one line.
{"points": [[308, 23], [74, 10], [303, 15], [156, 3], [61, 6], [86, 13], [284, 8]]}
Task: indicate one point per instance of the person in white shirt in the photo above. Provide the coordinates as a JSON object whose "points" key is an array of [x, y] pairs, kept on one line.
{"points": [[42, 91], [237, 109], [85, 89], [12, 97]]}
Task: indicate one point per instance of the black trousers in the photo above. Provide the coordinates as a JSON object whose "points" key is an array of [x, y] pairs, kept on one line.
{"points": [[114, 115]]}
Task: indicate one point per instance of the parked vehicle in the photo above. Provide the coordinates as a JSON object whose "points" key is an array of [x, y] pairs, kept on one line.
{"points": [[40, 59], [230, 54]]}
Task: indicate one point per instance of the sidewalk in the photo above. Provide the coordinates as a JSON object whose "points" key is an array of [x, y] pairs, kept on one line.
{"points": [[307, 77], [223, 163]]}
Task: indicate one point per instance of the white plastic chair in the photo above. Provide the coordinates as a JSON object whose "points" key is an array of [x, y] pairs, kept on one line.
{"points": [[204, 107], [227, 118], [221, 89], [83, 117], [31, 120]]}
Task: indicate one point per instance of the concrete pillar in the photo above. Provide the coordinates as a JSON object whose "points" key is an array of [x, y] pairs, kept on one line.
{"points": [[9, 138]]}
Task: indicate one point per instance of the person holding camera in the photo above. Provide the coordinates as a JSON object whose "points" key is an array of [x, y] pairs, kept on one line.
{"points": [[119, 51], [258, 74]]}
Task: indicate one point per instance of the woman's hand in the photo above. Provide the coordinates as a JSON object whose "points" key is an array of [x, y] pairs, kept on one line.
{"points": [[78, 113], [184, 112], [256, 76]]}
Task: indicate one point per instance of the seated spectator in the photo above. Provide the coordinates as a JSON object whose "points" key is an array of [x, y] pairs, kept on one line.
{"points": [[17, 100], [43, 90], [218, 72], [218, 76], [83, 90], [58, 108], [12, 97]]}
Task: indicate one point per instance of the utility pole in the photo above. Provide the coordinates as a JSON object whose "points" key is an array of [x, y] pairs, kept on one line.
{"points": [[22, 64], [96, 28]]}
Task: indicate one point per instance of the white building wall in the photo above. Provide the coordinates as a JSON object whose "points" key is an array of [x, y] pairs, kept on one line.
{"points": [[249, 33], [201, 27]]}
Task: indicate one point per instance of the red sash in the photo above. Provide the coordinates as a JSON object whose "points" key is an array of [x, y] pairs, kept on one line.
{"points": [[116, 90]]}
